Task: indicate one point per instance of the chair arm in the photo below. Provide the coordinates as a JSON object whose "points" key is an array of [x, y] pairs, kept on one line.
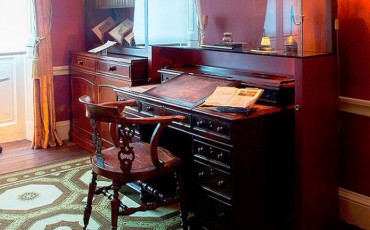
{"points": [[155, 120], [119, 103]]}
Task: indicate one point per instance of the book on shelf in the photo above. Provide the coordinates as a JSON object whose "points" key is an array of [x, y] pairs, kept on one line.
{"points": [[129, 38], [103, 27], [122, 30], [231, 97]]}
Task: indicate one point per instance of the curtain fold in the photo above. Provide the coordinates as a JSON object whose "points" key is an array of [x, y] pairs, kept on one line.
{"points": [[45, 133]]}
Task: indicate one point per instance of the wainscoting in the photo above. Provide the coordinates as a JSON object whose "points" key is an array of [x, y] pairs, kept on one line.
{"points": [[355, 106], [354, 208]]}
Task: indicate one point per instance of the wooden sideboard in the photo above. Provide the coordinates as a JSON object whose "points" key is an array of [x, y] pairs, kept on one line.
{"points": [[97, 76]]}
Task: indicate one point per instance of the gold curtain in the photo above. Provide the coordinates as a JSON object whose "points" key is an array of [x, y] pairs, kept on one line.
{"points": [[45, 134]]}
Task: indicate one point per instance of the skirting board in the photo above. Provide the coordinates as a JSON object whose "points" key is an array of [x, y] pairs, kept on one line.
{"points": [[354, 208], [63, 128], [355, 106]]}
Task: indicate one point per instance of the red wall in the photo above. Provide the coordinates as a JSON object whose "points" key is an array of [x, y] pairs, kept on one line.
{"points": [[354, 51], [67, 35], [245, 19], [68, 29]]}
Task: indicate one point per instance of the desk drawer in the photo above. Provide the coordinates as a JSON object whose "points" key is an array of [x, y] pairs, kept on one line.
{"points": [[158, 110], [211, 153], [114, 68], [214, 213], [213, 127], [82, 62], [213, 179]]}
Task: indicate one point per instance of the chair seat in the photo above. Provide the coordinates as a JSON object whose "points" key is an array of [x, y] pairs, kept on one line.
{"points": [[142, 166]]}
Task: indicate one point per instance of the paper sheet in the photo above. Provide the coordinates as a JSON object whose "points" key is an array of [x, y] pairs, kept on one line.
{"points": [[102, 47]]}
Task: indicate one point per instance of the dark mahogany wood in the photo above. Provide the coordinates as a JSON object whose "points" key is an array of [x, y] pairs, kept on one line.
{"points": [[128, 161], [97, 76]]}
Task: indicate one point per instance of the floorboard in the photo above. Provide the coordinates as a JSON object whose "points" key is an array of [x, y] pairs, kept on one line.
{"points": [[18, 155]]}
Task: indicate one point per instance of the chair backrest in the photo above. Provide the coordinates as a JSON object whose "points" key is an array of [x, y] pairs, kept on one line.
{"points": [[122, 130]]}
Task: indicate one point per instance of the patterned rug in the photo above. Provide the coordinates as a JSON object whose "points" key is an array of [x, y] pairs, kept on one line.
{"points": [[54, 196]]}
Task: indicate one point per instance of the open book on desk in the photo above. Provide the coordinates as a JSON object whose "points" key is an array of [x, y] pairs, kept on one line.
{"points": [[231, 99]]}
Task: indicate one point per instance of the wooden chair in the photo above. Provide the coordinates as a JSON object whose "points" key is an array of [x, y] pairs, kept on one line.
{"points": [[128, 161]]}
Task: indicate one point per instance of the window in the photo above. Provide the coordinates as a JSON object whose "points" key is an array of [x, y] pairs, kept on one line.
{"points": [[278, 17], [166, 21], [14, 25]]}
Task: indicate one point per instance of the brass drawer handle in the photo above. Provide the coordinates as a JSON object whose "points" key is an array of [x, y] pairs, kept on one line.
{"points": [[201, 174], [150, 108], [200, 150], [80, 62], [200, 123], [220, 129], [220, 156], [112, 68], [221, 183]]}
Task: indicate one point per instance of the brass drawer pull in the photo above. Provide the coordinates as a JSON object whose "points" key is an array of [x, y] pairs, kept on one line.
{"points": [[220, 129], [220, 156], [221, 183], [80, 62], [200, 123], [200, 150], [112, 68], [150, 108], [201, 174]]}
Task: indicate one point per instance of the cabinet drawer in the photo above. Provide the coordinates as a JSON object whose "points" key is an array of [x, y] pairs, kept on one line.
{"points": [[211, 153], [213, 127], [213, 179], [214, 213], [114, 68], [157, 110], [83, 62]]}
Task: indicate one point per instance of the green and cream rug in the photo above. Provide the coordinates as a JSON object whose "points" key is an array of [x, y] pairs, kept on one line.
{"points": [[53, 197]]}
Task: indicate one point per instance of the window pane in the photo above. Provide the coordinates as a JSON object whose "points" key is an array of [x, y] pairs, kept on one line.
{"points": [[13, 24], [167, 21]]}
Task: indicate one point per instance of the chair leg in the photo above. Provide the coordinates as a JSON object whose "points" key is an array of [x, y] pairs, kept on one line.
{"points": [[182, 200], [90, 196], [115, 203]]}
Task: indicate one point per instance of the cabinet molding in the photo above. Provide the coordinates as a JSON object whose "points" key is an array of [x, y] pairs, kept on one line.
{"points": [[355, 106], [354, 208]]}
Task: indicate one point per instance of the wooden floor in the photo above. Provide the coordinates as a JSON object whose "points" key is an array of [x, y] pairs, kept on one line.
{"points": [[19, 155]]}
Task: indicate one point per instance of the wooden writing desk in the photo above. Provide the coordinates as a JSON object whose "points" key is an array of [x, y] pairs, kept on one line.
{"points": [[224, 153]]}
